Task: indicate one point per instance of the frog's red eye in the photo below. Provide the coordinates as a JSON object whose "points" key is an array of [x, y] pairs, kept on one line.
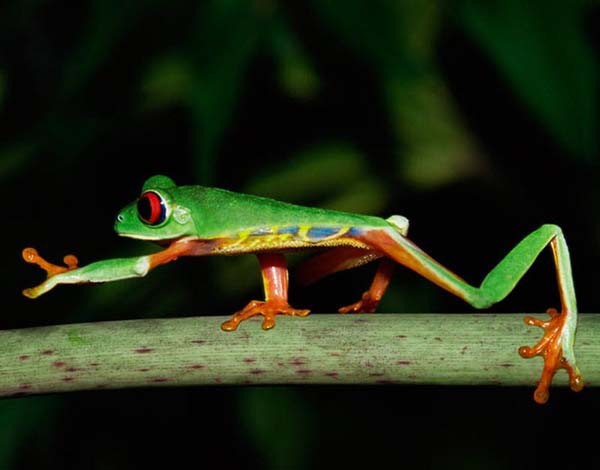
{"points": [[151, 208]]}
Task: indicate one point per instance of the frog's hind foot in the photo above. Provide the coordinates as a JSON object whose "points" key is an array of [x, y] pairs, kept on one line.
{"points": [[552, 347], [268, 309], [367, 304]]}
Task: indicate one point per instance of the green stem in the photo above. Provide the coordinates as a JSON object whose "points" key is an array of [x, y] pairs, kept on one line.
{"points": [[321, 349]]}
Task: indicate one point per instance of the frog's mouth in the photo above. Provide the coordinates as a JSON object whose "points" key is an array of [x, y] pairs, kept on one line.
{"points": [[138, 231], [150, 238], [159, 241]]}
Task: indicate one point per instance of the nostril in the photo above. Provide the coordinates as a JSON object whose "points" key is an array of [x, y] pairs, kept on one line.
{"points": [[120, 218]]}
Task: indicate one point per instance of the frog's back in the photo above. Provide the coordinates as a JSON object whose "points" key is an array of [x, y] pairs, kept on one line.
{"points": [[222, 213]]}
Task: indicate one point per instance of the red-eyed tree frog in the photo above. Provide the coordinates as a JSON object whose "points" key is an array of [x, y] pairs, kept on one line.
{"points": [[199, 221]]}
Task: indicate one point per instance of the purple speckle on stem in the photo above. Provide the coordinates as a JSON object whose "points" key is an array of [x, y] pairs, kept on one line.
{"points": [[144, 350], [68, 379], [385, 382], [145, 369], [72, 369], [196, 366], [24, 387], [298, 361], [48, 352], [58, 364], [376, 374], [403, 363], [244, 334], [160, 380], [248, 360], [400, 336], [257, 371], [303, 371], [198, 341], [506, 364], [23, 357], [333, 375]]}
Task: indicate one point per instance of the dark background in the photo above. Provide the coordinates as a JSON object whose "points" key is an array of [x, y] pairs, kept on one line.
{"points": [[478, 120]]}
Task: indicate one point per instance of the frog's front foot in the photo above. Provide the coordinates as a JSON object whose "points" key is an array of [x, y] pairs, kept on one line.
{"points": [[367, 304], [268, 309], [31, 255], [556, 348]]}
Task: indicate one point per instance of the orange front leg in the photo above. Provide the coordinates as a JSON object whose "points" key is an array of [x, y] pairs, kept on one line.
{"points": [[275, 280]]}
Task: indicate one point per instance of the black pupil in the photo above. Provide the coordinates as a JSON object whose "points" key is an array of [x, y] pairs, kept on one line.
{"points": [[144, 208], [151, 209]]}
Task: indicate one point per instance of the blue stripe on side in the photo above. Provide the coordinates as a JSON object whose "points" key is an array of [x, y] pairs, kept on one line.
{"points": [[292, 230], [355, 232], [318, 233]]}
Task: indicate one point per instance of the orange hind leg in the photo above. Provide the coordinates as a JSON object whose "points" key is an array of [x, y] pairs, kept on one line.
{"points": [[370, 298], [342, 258]]}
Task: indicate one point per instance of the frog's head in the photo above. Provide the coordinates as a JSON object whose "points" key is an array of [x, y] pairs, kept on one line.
{"points": [[156, 215]]}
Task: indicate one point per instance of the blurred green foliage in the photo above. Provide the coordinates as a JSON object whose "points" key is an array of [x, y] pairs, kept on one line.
{"points": [[542, 49], [19, 420], [478, 119], [266, 414]]}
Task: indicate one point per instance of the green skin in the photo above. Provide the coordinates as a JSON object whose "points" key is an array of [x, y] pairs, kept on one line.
{"points": [[208, 221]]}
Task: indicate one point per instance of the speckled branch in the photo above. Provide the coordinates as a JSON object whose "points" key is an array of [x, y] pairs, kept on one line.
{"points": [[320, 349]]}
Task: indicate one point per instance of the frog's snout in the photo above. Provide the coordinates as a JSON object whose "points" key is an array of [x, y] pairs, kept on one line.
{"points": [[119, 221]]}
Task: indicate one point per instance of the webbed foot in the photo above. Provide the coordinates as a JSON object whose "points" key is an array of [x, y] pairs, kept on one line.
{"points": [[30, 255], [268, 309], [556, 348], [367, 304]]}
